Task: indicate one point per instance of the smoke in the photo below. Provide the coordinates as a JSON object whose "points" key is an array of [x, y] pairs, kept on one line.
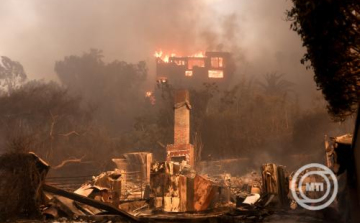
{"points": [[38, 33]]}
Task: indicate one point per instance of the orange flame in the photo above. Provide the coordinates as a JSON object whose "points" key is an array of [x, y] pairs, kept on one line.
{"points": [[199, 54], [165, 57], [158, 53]]}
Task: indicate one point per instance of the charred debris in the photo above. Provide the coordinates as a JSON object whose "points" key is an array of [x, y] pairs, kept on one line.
{"points": [[141, 189]]}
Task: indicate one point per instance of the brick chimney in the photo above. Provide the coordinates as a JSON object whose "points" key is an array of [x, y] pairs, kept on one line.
{"points": [[182, 118], [181, 149]]}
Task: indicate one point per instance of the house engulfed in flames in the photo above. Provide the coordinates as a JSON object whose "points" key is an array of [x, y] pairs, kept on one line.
{"points": [[194, 70]]}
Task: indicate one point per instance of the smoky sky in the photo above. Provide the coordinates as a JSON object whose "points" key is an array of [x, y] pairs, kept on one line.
{"points": [[39, 32]]}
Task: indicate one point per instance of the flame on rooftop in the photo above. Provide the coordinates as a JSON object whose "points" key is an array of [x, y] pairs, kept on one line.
{"points": [[165, 56]]}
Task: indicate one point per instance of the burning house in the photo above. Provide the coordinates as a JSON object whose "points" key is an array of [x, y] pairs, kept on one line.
{"points": [[194, 70]]}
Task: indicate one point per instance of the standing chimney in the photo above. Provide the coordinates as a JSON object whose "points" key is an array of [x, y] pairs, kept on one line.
{"points": [[182, 118], [181, 149]]}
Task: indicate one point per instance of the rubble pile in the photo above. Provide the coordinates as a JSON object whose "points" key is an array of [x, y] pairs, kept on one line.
{"points": [[177, 188], [175, 191]]}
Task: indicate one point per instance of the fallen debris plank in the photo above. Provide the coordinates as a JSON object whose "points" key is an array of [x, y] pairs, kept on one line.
{"points": [[67, 206], [97, 204], [251, 199]]}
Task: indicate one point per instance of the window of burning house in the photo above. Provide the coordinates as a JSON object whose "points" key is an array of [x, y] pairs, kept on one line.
{"points": [[195, 63], [216, 74], [217, 62], [188, 73], [179, 62]]}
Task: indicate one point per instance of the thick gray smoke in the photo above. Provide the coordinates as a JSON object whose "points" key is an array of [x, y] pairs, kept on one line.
{"points": [[37, 33]]}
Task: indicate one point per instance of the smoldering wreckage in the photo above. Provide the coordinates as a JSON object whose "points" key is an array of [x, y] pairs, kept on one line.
{"points": [[141, 189]]}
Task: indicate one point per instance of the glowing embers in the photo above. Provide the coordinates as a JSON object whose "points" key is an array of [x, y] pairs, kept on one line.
{"points": [[217, 62], [216, 74], [188, 73], [195, 62], [162, 80], [148, 94]]}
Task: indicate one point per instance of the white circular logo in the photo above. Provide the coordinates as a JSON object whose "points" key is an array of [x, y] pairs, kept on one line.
{"points": [[297, 186]]}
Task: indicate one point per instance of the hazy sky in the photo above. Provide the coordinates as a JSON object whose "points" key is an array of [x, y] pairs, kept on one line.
{"points": [[38, 32]]}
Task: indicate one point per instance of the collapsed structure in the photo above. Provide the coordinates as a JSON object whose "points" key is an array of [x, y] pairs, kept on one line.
{"points": [[142, 189], [173, 190]]}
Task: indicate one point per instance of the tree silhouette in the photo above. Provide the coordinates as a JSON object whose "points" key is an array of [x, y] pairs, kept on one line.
{"points": [[115, 89], [330, 32], [12, 74], [275, 84]]}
